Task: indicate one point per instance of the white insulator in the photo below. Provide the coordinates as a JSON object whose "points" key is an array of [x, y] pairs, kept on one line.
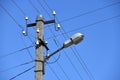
{"points": [[40, 15], [37, 42], [24, 32], [58, 26], [38, 30], [26, 18], [54, 13], [46, 42]]}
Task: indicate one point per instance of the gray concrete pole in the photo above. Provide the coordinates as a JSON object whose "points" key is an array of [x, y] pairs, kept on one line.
{"points": [[39, 61]]}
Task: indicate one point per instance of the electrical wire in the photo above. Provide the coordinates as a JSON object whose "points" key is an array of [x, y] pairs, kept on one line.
{"points": [[82, 66], [74, 67], [24, 15], [21, 73], [16, 51], [63, 70], [47, 5], [43, 7], [54, 61], [17, 66], [34, 6], [71, 64], [31, 40], [68, 59], [59, 54], [54, 72], [11, 17], [82, 63], [90, 25], [89, 74], [92, 11], [86, 26], [18, 7], [25, 46]]}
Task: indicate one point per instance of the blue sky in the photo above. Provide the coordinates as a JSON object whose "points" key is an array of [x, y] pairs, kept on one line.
{"points": [[95, 58]]}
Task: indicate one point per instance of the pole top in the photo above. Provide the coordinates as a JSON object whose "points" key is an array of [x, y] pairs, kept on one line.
{"points": [[40, 17]]}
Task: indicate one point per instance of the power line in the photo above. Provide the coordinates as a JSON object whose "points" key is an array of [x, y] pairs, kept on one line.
{"points": [[11, 17], [74, 52], [89, 74], [34, 6], [84, 67], [54, 72], [77, 16], [31, 40], [73, 65], [47, 5], [83, 64], [27, 48], [21, 73], [16, 51], [24, 15], [17, 66], [18, 7], [86, 26], [80, 60], [63, 71], [43, 7], [70, 60]]}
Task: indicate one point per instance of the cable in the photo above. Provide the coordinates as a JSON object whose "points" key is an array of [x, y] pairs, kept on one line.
{"points": [[16, 51], [23, 14], [25, 46], [81, 64], [11, 17], [54, 57], [89, 74], [43, 7], [53, 61], [47, 5], [21, 73], [63, 70], [77, 16], [34, 6], [17, 66], [68, 59], [31, 40], [18, 7], [86, 26], [54, 72], [84, 65]]}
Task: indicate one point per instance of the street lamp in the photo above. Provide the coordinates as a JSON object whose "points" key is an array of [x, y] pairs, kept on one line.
{"points": [[75, 39]]}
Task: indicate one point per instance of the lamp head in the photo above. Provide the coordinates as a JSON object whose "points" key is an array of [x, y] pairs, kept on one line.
{"points": [[75, 39]]}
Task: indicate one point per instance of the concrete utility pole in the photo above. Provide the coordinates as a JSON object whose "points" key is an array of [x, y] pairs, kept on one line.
{"points": [[39, 69], [40, 44]]}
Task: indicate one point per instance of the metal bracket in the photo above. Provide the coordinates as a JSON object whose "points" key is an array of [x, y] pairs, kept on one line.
{"points": [[41, 42]]}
